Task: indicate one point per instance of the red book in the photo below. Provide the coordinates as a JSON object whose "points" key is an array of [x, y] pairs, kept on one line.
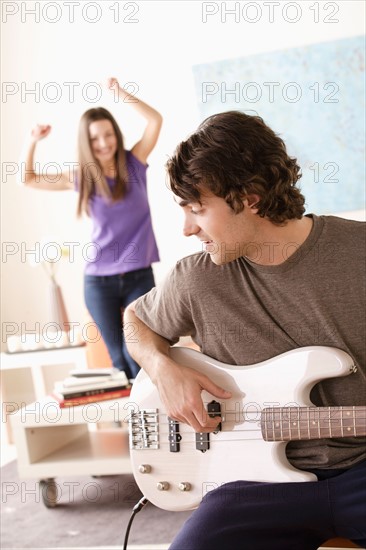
{"points": [[85, 399], [73, 394]]}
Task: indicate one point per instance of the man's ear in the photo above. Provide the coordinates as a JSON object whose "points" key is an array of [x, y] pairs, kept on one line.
{"points": [[251, 202]]}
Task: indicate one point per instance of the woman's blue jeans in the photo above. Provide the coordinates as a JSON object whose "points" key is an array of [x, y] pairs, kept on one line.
{"points": [[106, 297]]}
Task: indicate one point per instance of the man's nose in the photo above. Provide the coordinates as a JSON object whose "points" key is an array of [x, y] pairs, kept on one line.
{"points": [[190, 228]]}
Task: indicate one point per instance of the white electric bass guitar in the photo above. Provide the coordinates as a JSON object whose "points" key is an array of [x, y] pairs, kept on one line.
{"points": [[175, 467]]}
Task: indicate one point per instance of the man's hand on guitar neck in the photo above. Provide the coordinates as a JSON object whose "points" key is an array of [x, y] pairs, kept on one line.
{"points": [[179, 387]]}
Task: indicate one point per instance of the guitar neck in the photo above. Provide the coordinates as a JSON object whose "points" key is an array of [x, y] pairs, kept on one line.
{"points": [[296, 423]]}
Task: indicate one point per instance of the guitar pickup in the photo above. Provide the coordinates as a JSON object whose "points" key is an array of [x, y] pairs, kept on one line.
{"points": [[214, 409], [174, 435], [203, 438], [202, 441]]}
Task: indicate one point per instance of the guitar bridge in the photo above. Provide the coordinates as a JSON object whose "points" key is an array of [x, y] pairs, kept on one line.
{"points": [[203, 438], [144, 429]]}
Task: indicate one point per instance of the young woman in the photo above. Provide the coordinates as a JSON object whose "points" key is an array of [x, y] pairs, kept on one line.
{"points": [[111, 183]]}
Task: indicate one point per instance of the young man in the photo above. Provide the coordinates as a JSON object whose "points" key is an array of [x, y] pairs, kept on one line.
{"points": [[268, 280]]}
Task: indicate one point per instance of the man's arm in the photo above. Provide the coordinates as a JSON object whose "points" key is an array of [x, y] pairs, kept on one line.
{"points": [[179, 387]]}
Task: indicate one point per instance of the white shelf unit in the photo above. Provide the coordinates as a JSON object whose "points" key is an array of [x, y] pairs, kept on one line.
{"points": [[30, 376], [54, 442]]}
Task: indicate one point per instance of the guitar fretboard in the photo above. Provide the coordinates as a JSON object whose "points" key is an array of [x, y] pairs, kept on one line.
{"points": [[296, 423]]}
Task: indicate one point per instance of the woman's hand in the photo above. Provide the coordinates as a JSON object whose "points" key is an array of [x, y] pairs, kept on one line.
{"points": [[112, 83], [40, 131]]}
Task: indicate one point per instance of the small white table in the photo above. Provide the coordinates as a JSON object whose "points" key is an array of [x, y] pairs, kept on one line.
{"points": [[30, 376], [52, 442]]}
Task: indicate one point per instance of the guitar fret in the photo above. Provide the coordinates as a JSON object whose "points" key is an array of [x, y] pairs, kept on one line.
{"points": [[329, 422], [342, 426], [272, 424], [349, 421], [313, 422], [266, 427]]}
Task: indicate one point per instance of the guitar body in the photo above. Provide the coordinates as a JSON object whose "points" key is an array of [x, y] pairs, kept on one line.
{"points": [[238, 451]]}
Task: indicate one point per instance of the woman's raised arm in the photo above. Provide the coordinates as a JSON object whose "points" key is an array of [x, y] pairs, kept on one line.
{"points": [[61, 181], [146, 144]]}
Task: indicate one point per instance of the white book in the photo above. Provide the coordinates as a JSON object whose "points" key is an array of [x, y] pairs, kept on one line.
{"points": [[71, 384], [82, 373]]}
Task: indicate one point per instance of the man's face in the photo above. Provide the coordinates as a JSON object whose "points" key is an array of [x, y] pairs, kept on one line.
{"points": [[224, 234]]}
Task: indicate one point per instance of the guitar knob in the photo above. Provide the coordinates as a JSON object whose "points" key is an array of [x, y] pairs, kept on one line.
{"points": [[184, 486], [144, 468], [162, 486]]}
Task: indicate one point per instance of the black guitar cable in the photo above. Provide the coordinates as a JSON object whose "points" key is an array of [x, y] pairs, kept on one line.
{"points": [[141, 503]]}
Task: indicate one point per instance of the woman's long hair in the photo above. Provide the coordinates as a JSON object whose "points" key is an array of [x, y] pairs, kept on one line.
{"points": [[90, 177]]}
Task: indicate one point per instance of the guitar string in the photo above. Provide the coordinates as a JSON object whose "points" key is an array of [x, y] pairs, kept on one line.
{"points": [[185, 437], [193, 442], [265, 416], [271, 436], [291, 412]]}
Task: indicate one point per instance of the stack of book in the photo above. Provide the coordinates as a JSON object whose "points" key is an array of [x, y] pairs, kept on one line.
{"points": [[83, 387]]}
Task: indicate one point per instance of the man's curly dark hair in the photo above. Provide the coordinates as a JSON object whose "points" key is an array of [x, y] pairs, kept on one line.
{"points": [[233, 155]]}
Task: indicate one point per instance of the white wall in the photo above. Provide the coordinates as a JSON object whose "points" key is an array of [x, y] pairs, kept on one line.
{"points": [[156, 52]]}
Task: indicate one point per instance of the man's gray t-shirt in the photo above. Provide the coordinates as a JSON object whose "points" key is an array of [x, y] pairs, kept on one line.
{"points": [[242, 313]]}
